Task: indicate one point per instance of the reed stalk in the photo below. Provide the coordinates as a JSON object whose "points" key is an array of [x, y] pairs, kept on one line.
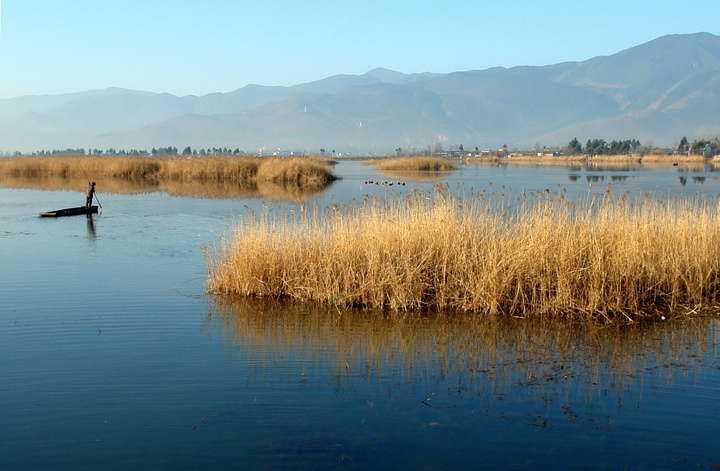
{"points": [[603, 256]]}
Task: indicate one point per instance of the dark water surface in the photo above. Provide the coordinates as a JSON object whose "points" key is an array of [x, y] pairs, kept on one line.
{"points": [[112, 357]]}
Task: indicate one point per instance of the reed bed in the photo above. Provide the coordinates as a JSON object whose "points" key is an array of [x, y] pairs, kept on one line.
{"points": [[298, 172], [665, 158], [185, 188], [426, 164], [604, 256]]}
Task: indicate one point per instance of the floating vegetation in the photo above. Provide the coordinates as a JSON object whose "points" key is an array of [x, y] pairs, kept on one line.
{"points": [[604, 256]]}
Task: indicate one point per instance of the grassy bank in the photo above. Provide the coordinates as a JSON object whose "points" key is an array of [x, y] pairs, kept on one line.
{"points": [[298, 172], [605, 256]]}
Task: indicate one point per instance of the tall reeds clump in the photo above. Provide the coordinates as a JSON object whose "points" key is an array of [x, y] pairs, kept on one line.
{"points": [[426, 164], [299, 172], [210, 169], [603, 256]]}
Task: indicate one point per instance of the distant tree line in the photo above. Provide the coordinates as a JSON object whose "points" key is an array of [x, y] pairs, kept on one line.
{"points": [[169, 151], [601, 147], [212, 151], [574, 147], [81, 151]]}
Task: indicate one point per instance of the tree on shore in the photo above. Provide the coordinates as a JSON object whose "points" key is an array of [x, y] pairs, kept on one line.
{"points": [[165, 151], [683, 147], [601, 147], [574, 147]]}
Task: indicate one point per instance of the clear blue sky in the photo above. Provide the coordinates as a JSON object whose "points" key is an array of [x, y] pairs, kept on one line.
{"points": [[202, 46]]}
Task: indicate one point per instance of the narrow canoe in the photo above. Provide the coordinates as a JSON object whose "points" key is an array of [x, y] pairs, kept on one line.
{"points": [[70, 212]]}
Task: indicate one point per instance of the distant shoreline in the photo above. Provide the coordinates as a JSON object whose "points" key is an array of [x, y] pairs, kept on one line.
{"points": [[565, 159]]}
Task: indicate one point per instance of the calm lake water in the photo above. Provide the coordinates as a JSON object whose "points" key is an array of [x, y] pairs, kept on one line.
{"points": [[112, 356]]}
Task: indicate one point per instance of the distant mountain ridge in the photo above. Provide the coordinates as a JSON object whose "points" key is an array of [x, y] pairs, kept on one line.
{"points": [[655, 92]]}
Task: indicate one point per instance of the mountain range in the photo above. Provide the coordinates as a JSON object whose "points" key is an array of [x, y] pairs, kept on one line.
{"points": [[656, 92]]}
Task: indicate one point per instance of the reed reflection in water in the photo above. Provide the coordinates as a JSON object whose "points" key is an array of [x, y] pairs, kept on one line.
{"points": [[268, 190], [473, 374]]}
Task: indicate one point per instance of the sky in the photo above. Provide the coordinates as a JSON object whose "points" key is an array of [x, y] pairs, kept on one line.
{"points": [[197, 47]]}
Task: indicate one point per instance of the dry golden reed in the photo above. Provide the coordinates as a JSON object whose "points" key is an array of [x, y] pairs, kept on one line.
{"points": [[186, 188], [604, 256], [297, 172], [426, 164]]}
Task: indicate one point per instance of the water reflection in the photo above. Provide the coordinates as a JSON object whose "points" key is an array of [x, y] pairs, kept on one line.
{"points": [[413, 176], [91, 227], [604, 166], [196, 189], [698, 167], [536, 372]]}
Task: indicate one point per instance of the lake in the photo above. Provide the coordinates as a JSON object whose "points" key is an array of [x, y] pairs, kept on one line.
{"points": [[113, 357]]}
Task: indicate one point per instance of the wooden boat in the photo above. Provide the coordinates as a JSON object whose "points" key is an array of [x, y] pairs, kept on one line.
{"points": [[70, 212]]}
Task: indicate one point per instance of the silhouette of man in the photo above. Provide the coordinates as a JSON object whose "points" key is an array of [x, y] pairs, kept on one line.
{"points": [[89, 193]]}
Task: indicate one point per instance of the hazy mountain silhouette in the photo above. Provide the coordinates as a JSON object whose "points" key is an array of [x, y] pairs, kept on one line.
{"points": [[656, 92]]}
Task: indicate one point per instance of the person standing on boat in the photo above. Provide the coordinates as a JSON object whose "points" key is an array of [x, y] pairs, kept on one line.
{"points": [[89, 193]]}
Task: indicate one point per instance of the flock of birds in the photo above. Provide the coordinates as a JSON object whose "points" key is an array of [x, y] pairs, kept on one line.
{"points": [[371, 182]]}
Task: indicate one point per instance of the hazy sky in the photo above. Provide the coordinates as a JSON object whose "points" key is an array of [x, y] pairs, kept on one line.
{"points": [[202, 46]]}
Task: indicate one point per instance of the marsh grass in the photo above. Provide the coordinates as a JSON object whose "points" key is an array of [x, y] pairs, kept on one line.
{"points": [[182, 188], [244, 174], [425, 164], [604, 256]]}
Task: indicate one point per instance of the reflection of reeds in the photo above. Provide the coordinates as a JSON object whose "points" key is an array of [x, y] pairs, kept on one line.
{"points": [[425, 164], [193, 188], [413, 175], [503, 352], [603, 256], [271, 177]]}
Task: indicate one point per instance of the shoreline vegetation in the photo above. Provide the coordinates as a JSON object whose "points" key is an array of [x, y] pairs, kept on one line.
{"points": [[184, 176], [564, 159], [420, 164], [605, 257]]}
